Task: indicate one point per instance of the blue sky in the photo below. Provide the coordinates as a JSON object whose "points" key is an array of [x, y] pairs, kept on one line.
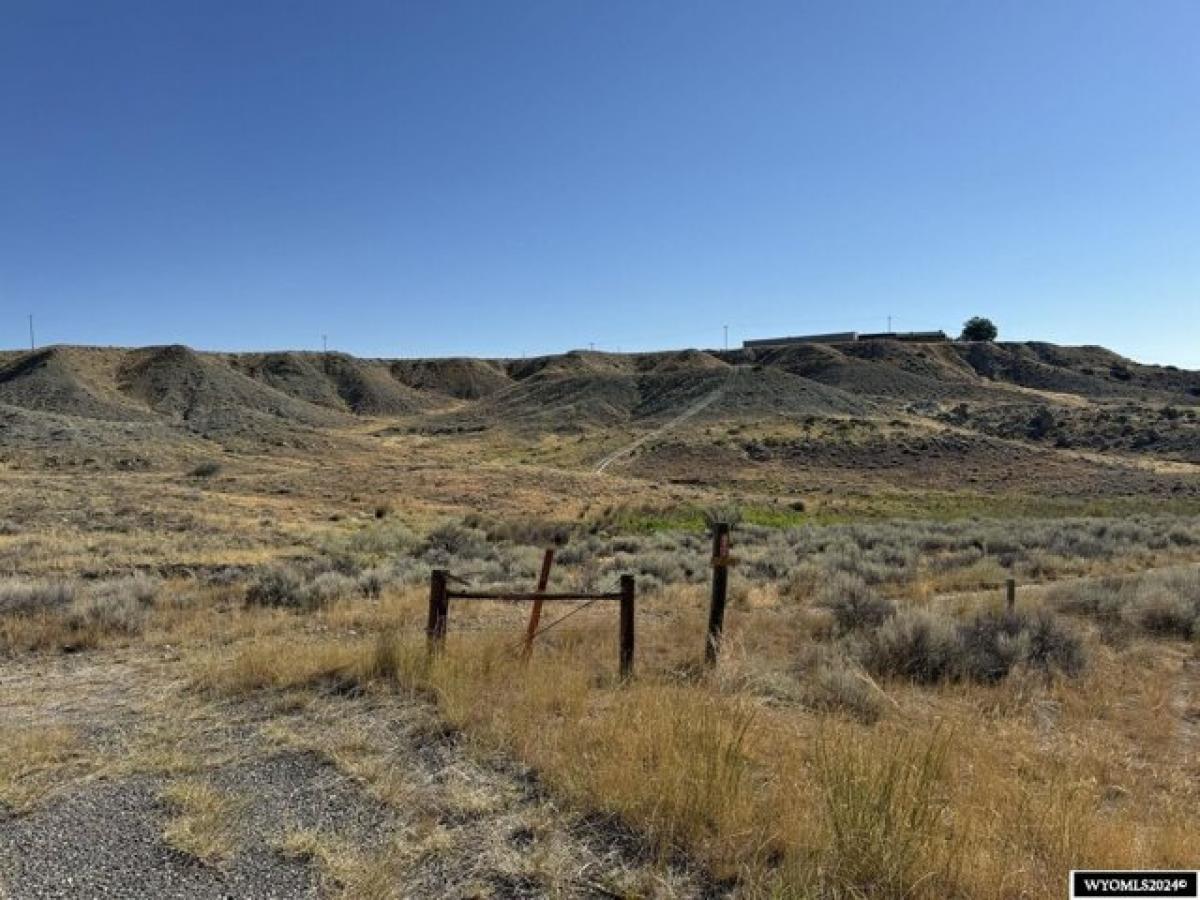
{"points": [[498, 178]]}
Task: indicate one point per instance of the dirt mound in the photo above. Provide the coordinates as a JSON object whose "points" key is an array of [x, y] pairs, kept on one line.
{"points": [[335, 381], [1118, 373], [693, 361], [936, 361], [556, 401], [298, 375], [460, 378], [369, 389], [68, 380], [1029, 366], [877, 371], [665, 392], [575, 362], [565, 400], [209, 395], [754, 391]]}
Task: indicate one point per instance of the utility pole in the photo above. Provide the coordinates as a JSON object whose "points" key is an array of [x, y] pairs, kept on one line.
{"points": [[32, 344], [726, 327], [889, 324], [324, 343]]}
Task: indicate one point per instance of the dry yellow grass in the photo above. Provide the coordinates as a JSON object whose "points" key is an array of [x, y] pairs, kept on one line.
{"points": [[50, 631], [963, 790], [204, 820], [279, 662], [30, 759], [374, 875], [1002, 788], [956, 790]]}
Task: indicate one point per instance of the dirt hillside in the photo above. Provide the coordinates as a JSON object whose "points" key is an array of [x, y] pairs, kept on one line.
{"points": [[71, 381], [462, 379], [75, 402], [203, 392]]}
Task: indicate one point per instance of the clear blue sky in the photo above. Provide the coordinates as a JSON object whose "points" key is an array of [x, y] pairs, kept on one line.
{"points": [[493, 178]]}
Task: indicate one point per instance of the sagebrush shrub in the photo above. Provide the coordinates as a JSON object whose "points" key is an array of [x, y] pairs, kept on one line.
{"points": [[327, 588], [988, 647], [19, 596], [854, 605], [1157, 610], [1162, 604], [993, 643], [108, 611], [1101, 600], [1052, 646], [455, 539], [922, 647], [140, 589], [372, 582], [279, 585], [913, 644], [381, 539]]}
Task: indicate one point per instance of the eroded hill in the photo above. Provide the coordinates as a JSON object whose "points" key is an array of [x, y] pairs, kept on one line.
{"points": [[948, 413]]}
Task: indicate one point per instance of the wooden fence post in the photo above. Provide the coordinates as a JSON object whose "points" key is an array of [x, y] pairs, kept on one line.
{"points": [[439, 611], [720, 588], [627, 609], [1010, 594], [535, 614]]}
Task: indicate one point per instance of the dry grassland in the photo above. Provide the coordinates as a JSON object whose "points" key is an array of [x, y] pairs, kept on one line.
{"points": [[241, 645], [776, 774]]}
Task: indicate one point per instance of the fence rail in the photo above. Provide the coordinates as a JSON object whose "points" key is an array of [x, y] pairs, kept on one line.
{"points": [[522, 597], [440, 596]]}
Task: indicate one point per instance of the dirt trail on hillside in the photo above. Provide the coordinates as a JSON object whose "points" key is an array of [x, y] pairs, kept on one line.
{"points": [[694, 409]]}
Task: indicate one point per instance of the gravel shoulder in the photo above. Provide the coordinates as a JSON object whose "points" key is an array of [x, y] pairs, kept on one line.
{"points": [[294, 795]]}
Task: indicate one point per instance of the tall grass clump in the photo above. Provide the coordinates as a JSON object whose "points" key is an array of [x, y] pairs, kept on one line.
{"points": [[885, 817], [836, 683]]}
